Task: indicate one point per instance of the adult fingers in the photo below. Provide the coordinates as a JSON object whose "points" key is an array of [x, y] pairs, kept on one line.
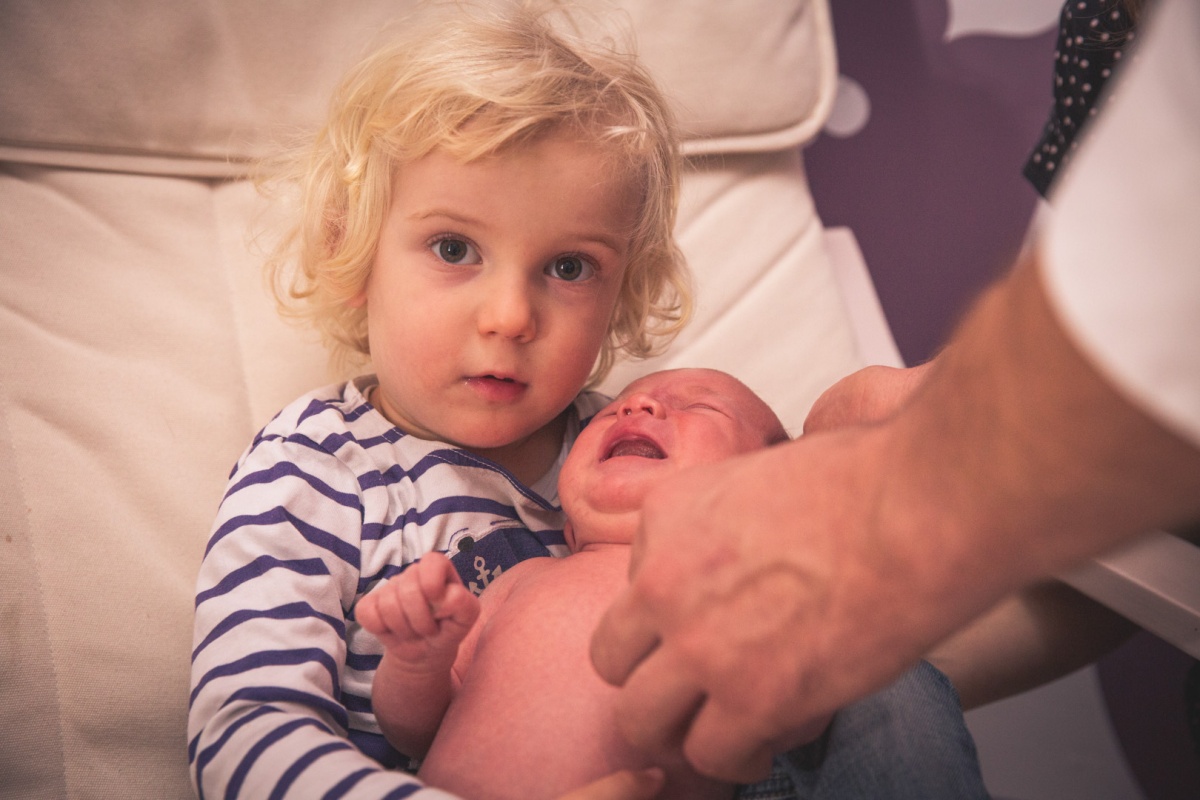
{"points": [[657, 703], [641, 784], [729, 747], [624, 637]]}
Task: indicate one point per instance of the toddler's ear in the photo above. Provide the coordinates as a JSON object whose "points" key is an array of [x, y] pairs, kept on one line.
{"points": [[359, 300]]}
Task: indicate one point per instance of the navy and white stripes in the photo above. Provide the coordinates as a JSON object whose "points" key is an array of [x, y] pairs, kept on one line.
{"points": [[329, 500]]}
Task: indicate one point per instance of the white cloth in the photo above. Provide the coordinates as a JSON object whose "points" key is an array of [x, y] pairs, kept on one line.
{"points": [[1121, 251]]}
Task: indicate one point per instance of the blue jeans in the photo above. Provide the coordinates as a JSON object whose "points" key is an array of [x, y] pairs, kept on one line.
{"points": [[906, 742]]}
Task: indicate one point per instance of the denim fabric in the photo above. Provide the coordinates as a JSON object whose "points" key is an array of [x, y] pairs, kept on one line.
{"points": [[906, 742]]}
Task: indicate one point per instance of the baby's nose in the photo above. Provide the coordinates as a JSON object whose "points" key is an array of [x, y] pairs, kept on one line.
{"points": [[638, 403]]}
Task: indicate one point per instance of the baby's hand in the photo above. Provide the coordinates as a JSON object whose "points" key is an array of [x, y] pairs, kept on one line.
{"points": [[422, 614]]}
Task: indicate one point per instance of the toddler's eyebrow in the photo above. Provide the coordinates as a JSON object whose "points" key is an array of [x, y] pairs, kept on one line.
{"points": [[443, 213], [617, 246]]}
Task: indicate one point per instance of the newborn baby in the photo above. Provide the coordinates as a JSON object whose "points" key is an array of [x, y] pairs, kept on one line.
{"points": [[498, 693]]}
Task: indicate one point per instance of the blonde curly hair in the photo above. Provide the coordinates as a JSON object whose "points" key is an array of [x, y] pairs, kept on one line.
{"points": [[475, 83]]}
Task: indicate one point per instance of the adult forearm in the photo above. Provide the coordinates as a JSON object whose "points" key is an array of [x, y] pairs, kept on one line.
{"points": [[832, 563], [1026, 640], [1021, 459]]}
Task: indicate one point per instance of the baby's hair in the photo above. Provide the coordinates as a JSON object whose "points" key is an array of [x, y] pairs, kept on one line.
{"points": [[475, 83]]}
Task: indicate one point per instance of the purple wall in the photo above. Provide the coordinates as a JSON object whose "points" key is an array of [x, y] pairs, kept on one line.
{"points": [[932, 185]]}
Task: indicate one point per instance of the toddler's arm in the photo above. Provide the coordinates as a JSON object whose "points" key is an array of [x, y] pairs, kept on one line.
{"points": [[420, 617]]}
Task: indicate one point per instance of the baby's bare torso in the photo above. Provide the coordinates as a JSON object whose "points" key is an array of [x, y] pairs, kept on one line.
{"points": [[532, 719]]}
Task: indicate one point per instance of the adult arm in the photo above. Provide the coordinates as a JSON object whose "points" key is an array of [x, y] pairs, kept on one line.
{"points": [[770, 590], [1027, 639], [833, 562]]}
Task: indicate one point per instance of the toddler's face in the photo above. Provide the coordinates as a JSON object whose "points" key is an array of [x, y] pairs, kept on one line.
{"points": [[659, 425], [492, 291]]}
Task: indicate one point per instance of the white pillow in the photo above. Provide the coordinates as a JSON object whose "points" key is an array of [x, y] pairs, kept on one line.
{"points": [[199, 88]]}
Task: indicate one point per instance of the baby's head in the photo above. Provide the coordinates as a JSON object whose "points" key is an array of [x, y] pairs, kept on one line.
{"points": [[473, 83], [659, 425]]}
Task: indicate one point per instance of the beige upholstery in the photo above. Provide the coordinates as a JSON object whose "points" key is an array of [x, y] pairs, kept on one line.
{"points": [[139, 352], [199, 88]]}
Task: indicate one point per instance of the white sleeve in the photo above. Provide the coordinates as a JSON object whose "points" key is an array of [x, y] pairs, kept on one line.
{"points": [[1121, 249]]}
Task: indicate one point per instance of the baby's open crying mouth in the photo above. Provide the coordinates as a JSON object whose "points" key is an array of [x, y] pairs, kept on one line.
{"points": [[639, 448]]}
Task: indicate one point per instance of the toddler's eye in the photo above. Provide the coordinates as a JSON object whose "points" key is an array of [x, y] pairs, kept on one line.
{"points": [[455, 251], [570, 268]]}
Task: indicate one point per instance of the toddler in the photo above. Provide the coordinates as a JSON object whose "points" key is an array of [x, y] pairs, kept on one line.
{"points": [[487, 217], [505, 679]]}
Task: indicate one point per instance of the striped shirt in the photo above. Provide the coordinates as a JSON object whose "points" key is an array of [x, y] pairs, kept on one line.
{"points": [[329, 500]]}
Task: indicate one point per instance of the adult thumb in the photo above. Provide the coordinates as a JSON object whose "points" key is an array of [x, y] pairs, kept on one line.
{"points": [[643, 784]]}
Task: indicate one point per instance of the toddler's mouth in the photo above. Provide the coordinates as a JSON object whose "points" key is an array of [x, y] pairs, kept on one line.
{"points": [[491, 378], [497, 388]]}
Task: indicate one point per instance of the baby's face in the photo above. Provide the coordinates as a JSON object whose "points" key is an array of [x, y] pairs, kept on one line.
{"points": [[659, 425]]}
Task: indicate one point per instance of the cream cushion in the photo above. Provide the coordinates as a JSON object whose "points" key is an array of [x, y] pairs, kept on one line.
{"points": [[201, 88], [139, 351]]}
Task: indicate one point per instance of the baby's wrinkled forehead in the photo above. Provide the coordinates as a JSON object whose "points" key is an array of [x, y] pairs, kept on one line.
{"points": [[681, 387]]}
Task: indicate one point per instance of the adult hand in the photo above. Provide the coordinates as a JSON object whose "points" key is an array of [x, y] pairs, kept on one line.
{"points": [[769, 590], [724, 640], [625, 785], [871, 394]]}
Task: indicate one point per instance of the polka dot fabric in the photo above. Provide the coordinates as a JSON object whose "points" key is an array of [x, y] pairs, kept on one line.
{"points": [[1092, 37]]}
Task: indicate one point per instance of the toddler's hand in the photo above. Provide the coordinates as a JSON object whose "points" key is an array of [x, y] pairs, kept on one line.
{"points": [[422, 614]]}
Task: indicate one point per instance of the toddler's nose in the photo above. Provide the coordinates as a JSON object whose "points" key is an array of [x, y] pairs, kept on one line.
{"points": [[507, 310]]}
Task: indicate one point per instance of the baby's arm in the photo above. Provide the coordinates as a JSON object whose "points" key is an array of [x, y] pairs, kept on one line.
{"points": [[420, 616]]}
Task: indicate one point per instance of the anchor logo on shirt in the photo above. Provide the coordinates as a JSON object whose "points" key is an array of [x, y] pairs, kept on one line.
{"points": [[485, 575]]}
